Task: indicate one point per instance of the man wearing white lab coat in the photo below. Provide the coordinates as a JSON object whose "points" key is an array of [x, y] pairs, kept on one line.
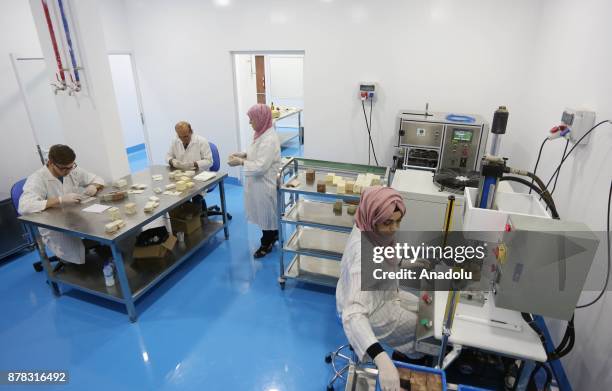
{"points": [[60, 183], [189, 151]]}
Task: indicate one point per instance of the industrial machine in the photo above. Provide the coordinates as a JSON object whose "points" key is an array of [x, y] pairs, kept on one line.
{"points": [[436, 141]]}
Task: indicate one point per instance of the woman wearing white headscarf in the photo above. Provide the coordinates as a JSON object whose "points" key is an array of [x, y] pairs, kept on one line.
{"points": [[260, 164], [370, 318]]}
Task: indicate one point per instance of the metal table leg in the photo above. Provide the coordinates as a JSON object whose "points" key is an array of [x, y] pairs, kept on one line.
{"points": [[223, 209], [123, 281], [300, 128], [42, 252], [523, 380]]}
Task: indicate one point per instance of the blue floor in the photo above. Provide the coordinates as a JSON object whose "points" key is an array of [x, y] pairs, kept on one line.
{"points": [[219, 322]]}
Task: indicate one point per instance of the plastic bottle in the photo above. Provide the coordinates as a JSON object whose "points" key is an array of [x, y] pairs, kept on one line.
{"points": [[109, 278]]}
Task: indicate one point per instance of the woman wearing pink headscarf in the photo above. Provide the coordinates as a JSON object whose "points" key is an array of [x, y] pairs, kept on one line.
{"points": [[260, 164], [370, 318]]}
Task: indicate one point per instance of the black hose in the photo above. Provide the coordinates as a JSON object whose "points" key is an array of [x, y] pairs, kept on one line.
{"points": [[545, 196], [535, 169]]}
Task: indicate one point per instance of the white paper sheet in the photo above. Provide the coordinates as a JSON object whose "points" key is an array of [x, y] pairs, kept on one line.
{"points": [[205, 176], [96, 208]]}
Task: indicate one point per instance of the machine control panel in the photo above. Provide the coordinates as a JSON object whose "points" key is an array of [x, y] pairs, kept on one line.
{"points": [[461, 147]]}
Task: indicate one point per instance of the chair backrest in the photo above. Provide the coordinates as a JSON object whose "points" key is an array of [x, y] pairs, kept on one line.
{"points": [[16, 192], [215, 155]]}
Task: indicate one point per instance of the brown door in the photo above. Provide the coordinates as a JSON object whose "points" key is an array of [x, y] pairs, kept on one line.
{"points": [[260, 75]]}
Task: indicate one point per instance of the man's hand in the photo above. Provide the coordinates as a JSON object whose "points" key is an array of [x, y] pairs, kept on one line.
{"points": [[91, 190], [174, 163], [70, 198]]}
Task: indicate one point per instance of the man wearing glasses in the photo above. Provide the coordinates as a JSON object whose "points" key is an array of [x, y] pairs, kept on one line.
{"points": [[58, 184]]}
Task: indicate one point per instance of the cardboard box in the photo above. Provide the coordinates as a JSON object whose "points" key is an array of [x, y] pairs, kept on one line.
{"points": [[186, 218], [156, 251]]}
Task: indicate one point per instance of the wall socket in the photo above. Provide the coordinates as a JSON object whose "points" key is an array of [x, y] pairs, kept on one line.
{"points": [[580, 122]]}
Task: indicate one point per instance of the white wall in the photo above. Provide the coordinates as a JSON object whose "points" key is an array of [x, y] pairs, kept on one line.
{"points": [[457, 57], [126, 94], [90, 119], [572, 69], [246, 95], [18, 156]]}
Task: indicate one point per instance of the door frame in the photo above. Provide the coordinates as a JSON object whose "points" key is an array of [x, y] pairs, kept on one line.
{"points": [[232, 59], [143, 120]]}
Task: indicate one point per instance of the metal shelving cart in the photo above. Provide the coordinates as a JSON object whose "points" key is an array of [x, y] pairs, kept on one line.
{"points": [[318, 235]]}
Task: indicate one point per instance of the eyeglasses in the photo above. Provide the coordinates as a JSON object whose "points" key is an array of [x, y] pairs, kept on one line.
{"points": [[65, 168]]}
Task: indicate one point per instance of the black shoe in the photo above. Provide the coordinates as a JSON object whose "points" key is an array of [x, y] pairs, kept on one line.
{"points": [[262, 251]]}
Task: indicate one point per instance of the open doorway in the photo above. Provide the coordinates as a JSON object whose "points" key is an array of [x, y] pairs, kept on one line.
{"points": [[127, 94], [275, 79]]}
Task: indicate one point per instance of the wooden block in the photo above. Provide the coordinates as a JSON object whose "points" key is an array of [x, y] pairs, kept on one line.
{"points": [[321, 187], [310, 176]]}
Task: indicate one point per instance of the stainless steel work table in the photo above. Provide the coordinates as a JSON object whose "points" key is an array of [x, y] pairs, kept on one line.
{"points": [[134, 277]]}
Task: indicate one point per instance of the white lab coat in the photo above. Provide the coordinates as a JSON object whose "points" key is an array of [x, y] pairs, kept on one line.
{"points": [[388, 317], [198, 151], [260, 169], [42, 185]]}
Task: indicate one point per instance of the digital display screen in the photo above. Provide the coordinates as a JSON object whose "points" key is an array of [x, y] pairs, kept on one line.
{"points": [[462, 135], [366, 87]]}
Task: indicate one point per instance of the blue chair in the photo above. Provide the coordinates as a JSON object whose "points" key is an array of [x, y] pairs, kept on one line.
{"points": [[16, 192], [215, 210]]}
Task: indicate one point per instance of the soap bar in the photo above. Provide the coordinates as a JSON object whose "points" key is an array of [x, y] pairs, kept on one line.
{"points": [[293, 183], [114, 226], [341, 187], [189, 174], [181, 185], [130, 208], [157, 190], [357, 188], [114, 196], [157, 177], [170, 186], [351, 209], [338, 207], [310, 176], [120, 183], [338, 179], [150, 206], [184, 178], [329, 178], [114, 213], [139, 186], [153, 198], [321, 187], [176, 174], [348, 186], [189, 184]]}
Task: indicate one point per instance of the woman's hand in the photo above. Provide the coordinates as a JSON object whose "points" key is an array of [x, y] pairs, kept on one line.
{"points": [[242, 155], [234, 161], [387, 373]]}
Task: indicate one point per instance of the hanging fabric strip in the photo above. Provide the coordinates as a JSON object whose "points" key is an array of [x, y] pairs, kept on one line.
{"points": [[58, 58], [69, 40]]}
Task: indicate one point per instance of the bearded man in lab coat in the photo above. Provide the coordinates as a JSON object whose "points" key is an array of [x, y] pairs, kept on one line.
{"points": [[57, 185], [189, 151]]}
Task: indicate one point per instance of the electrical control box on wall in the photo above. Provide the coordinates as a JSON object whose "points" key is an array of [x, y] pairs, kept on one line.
{"points": [[580, 122], [367, 90]]}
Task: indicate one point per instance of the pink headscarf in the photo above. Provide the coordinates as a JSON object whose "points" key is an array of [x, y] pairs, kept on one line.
{"points": [[378, 203], [261, 116]]}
